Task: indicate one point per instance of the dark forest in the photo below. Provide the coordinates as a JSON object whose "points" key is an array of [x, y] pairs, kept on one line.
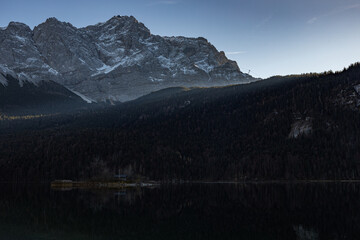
{"points": [[235, 133]]}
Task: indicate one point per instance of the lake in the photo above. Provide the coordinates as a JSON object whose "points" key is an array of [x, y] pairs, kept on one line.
{"points": [[187, 211]]}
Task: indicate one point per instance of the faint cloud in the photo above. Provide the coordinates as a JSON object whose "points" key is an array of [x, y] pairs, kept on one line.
{"points": [[264, 21], [352, 6], [312, 20], [333, 12], [235, 53], [169, 2]]}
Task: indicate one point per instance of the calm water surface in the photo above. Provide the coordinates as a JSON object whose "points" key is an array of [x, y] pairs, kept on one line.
{"points": [[199, 211]]}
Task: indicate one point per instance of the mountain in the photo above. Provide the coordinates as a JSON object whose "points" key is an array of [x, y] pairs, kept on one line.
{"points": [[117, 60], [301, 127]]}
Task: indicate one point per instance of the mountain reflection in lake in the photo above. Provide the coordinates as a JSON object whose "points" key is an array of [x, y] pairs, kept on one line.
{"points": [[198, 211]]}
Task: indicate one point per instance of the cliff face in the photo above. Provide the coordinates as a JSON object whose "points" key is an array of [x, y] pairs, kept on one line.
{"points": [[118, 60]]}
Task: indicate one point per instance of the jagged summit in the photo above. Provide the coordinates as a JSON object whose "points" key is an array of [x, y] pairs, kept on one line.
{"points": [[52, 19], [121, 24], [17, 25], [16, 29], [118, 59]]}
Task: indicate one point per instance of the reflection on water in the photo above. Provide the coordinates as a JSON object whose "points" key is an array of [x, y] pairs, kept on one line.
{"points": [[199, 211]]}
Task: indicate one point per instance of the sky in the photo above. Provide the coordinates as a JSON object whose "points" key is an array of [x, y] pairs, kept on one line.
{"points": [[265, 37]]}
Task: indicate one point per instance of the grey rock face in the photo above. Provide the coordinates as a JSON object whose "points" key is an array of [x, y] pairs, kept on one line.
{"points": [[117, 60], [20, 56]]}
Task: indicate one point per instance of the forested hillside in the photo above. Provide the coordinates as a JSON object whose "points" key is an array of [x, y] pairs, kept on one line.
{"points": [[294, 127], [23, 97]]}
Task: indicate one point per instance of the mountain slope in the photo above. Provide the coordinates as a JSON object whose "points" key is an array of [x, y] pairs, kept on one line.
{"points": [[31, 98], [283, 128], [116, 60]]}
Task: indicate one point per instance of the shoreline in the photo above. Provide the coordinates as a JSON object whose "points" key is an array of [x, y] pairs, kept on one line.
{"points": [[68, 184], [277, 181]]}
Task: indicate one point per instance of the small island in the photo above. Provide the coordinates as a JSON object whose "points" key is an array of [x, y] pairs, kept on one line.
{"points": [[115, 182]]}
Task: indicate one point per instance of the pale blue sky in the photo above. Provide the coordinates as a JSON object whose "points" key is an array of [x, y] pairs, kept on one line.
{"points": [[269, 37]]}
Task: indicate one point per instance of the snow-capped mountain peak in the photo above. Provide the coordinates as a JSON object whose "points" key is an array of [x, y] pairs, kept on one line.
{"points": [[118, 59]]}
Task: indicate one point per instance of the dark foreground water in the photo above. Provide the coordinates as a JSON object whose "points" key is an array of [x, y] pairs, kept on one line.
{"points": [[200, 211]]}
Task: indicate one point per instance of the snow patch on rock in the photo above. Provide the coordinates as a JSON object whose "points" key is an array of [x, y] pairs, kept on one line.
{"points": [[3, 80], [53, 71], [166, 62], [153, 79], [203, 65], [23, 77], [188, 71], [5, 70], [105, 69], [85, 98], [31, 60], [21, 39]]}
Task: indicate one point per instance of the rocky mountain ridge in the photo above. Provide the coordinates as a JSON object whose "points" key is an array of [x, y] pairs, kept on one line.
{"points": [[116, 60]]}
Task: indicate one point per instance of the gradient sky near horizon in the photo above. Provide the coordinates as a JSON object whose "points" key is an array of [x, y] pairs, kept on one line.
{"points": [[268, 37]]}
